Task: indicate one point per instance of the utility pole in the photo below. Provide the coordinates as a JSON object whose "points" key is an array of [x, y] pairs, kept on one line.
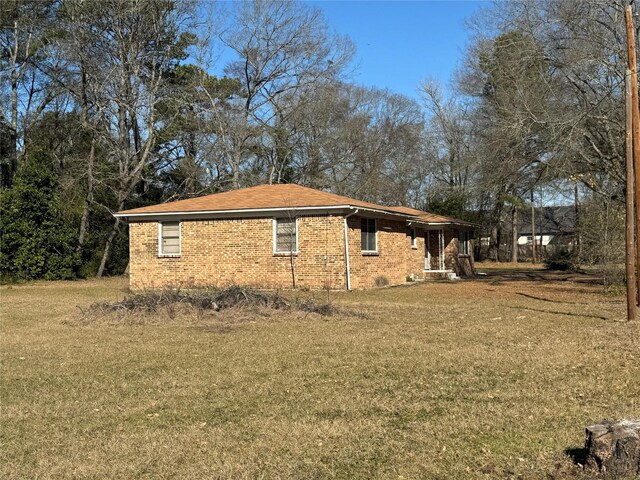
{"points": [[632, 310], [534, 257], [635, 123]]}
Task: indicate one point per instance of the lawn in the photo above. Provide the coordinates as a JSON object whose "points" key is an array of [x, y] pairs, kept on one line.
{"points": [[489, 378]]}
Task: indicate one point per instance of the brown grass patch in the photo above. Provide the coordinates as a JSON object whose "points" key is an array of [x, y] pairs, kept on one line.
{"points": [[443, 380]]}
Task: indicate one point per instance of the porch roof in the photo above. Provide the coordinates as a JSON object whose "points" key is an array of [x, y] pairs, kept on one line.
{"points": [[432, 218]]}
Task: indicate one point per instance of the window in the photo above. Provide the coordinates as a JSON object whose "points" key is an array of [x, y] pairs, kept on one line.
{"points": [[414, 239], [463, 243], [368, 235], [169, 239], [285, 235]]}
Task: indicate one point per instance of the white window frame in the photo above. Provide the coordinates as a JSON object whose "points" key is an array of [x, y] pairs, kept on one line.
{"points": [[274, 224], [375, 233], [414, 238], [160, 252]]}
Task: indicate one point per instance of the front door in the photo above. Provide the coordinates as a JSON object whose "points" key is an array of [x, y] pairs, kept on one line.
{"points": [[434, 250]]}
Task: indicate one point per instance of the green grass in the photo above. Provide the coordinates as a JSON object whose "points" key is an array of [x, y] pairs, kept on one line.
{"points": [[466, 380]]}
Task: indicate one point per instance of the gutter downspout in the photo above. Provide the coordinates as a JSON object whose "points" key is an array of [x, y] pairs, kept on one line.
{"points": [[346, 249]]}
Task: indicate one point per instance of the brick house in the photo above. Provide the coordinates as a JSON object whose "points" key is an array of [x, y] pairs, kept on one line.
{"points": [[286, 235]]}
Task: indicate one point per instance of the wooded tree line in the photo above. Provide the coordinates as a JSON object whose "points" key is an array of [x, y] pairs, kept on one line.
{"points": [[539, 115], [121, 103]]}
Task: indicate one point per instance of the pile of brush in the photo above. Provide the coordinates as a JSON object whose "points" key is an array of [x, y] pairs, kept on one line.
{"points": [[172, 300]]}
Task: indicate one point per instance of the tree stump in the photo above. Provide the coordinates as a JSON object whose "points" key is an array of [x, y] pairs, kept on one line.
{"points": [[613, 448], [466, 269]]}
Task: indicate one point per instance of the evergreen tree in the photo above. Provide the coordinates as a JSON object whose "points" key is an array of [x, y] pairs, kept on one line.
{"points": [[35, 240]]}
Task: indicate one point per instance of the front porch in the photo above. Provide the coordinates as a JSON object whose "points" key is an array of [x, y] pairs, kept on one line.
{"points": [[447, 251]]}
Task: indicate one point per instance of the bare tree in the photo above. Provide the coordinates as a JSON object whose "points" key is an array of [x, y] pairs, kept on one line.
{"points": [[452, 151], [138, 44], [283, 47], [585, 49], [512, 90], [25, 31]]}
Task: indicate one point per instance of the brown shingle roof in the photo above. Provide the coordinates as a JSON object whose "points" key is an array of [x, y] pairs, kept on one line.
{"points": [[429, 217], [260, 197], [276, 196], [426, 216]]}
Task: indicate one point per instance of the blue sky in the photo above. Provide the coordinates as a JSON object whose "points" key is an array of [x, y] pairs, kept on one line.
{"points": [[401, 43], [398, 43]]}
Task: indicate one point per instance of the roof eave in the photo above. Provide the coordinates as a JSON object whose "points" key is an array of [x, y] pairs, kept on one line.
{"points": [[252, 212], [243, 212], [266, 212]]}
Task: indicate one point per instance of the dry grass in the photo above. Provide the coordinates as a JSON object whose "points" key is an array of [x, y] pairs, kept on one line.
{"points": [[490, 378]]}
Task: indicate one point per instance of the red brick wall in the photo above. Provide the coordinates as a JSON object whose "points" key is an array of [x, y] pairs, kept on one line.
{"points": [[451, 250], [227, 251], [240, 251], [395, 259]]}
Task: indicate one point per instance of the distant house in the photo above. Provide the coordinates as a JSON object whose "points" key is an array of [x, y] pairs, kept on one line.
{"points": [[277, 235], [553, 226]]}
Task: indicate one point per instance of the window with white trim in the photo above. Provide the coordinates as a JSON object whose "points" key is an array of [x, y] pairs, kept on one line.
{"points": [[463, 242], [285, 235], [169, 241], [368, 241], [414, 238]]}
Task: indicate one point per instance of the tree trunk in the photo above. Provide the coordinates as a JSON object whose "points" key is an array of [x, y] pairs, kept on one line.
{"points": [[272, 172], [496, 232], [293, 271], [235, 167], [534, 257], [107, 247], [514, 234], [13, 133], [84, 120], [576, 204], [493, 248], [88, 200]]}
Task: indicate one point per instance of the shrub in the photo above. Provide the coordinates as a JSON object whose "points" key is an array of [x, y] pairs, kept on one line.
{"points": [[561, 260], [35, 242], [382, 281], [614, 279]]}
